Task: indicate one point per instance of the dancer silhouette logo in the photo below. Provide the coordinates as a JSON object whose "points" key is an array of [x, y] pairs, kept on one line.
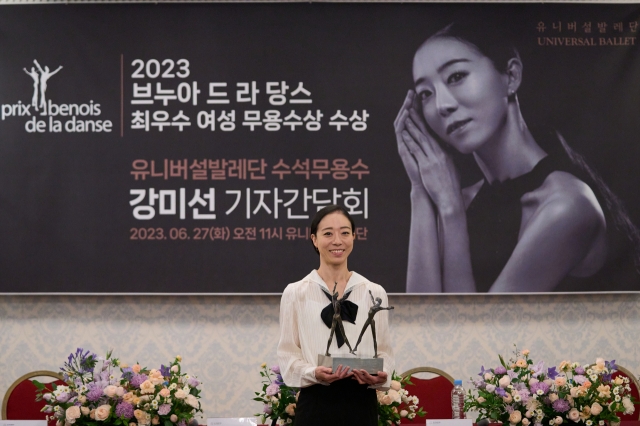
{"points": [[40, 79], [40, 105]]}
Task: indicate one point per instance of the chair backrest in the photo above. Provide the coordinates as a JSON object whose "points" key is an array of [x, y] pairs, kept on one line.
{"points": [[20, 400], [635, 392], [433, 390]]}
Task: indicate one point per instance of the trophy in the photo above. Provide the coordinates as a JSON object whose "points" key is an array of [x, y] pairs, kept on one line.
{"points": [[371, 365]]}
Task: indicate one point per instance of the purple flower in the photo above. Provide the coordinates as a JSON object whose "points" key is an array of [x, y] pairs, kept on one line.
{"points": [[276, 369], [479, 383], [482, 371], [266, 409], [500, 392], [512, 374], [500, 370], [509, 408], [611, 365], [524, 395], [164, 409], [542, 386], [165, 371], [606, 377], [561, 405], [579, 370], [192, 382], [127, 373], [95, 392], [63, 397], [552, 373], [137, 380], [272, 389], [537, 369], [124, 409], [182, 423], [579, 379]]}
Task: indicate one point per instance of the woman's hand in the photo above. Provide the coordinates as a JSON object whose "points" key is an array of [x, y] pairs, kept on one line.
{"points": [[410, 164], [364, 378], [436, 169], [326, 374]]}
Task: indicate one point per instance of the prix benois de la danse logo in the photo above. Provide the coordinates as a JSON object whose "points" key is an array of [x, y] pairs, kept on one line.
{"points": [[42, 115]]}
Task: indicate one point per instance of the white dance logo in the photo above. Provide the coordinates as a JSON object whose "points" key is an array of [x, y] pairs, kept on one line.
{"points": [[45, 116], [40, 79]]}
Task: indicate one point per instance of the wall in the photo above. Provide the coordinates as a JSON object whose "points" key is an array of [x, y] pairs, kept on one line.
{"points": [[223, 340]]}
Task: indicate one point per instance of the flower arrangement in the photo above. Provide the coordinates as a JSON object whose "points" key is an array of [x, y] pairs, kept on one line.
{"points": [[389, 402], [279, 399], [519, 392], [116, 394]]}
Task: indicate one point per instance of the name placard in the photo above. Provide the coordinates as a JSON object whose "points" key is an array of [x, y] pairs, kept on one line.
{"points": [[229, 421], [450, 422], [23, 423]]}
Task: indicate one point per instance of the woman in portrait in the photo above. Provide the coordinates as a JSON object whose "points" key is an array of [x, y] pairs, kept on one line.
{"points": [[539, 219], [341, 397]]}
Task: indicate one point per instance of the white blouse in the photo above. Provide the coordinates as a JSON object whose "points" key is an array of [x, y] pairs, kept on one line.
{"points": [[303, 334]]}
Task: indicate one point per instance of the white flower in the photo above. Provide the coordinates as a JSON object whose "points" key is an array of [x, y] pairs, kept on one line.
{"points": [[187, 377], [551, 422], [601, 422], [517, 397], [540, 392], [625, 379], [617, 398], [593, 377], [589, 422], [154, 404], [589, 372], [172, 386], [411, 416], [616, 390]]}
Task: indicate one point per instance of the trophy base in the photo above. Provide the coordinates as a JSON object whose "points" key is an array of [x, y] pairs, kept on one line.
{"points": [[370, 365]]}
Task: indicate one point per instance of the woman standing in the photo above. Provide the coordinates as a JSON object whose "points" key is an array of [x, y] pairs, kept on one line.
{"points": [[540, 220], [341, 397]]}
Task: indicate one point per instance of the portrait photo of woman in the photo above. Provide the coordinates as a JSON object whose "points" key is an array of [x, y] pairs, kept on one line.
{"points": [[538, 218]]}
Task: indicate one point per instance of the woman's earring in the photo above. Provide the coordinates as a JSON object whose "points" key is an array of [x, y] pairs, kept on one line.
{"points": [[511, 93]]}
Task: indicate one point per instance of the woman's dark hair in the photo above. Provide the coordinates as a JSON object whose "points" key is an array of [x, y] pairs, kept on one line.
{"points": [[495, 41], [331, 208]]}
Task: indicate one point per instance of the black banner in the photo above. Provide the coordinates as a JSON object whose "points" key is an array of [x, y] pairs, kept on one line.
{"points": [[185, 148]]}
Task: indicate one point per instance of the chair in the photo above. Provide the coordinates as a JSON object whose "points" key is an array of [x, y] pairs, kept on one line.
{"points": [[433, 392], [635, 392], [20, 400]]}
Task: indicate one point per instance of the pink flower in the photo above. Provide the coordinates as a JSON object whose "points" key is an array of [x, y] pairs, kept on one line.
{"points": [[72, 414], [573, 415], [291, 409], [164, 392], [596, 409], [102, 412], [504, 381]]}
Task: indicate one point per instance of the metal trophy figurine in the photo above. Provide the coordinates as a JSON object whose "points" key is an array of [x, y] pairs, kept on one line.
{"points": [[337, 321], [372, 365], [377, 302]]}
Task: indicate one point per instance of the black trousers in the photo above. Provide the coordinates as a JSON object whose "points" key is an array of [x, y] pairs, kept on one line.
{"points": [[342, 403]]}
